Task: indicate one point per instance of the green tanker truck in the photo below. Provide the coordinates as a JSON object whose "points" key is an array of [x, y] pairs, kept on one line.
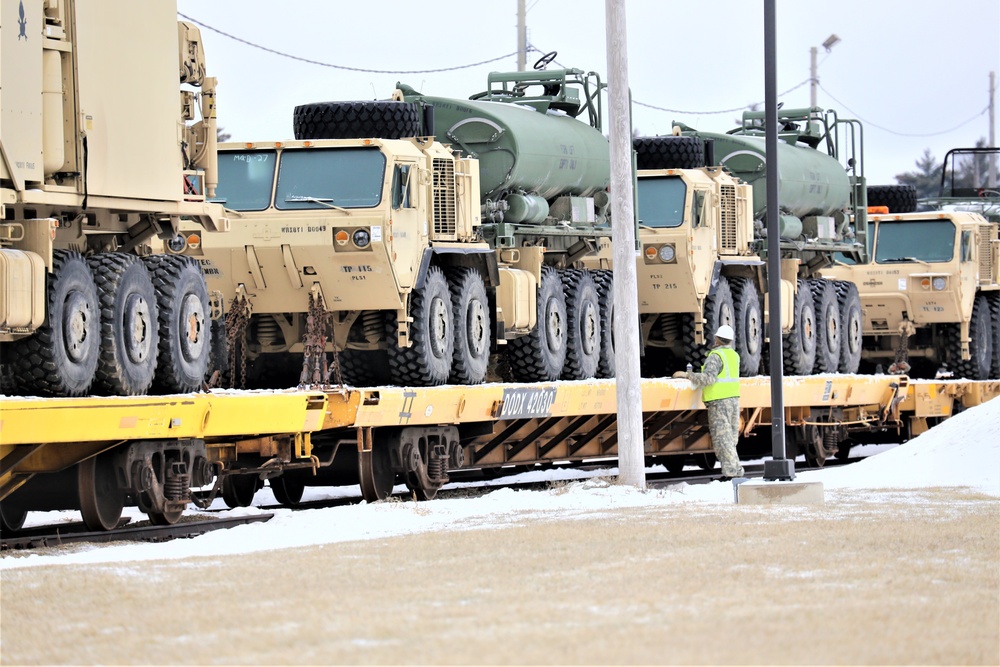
{"points": [[413, 260], [702, 231]]}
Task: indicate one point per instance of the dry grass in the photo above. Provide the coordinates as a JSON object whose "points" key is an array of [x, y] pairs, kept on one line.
{"points": [[902, 579]]}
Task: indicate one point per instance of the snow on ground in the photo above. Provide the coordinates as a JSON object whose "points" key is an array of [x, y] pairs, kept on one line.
{"points": [[964, 451]]}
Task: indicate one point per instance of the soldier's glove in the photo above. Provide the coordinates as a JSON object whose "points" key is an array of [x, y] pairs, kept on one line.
{"points": [[682, 375]]}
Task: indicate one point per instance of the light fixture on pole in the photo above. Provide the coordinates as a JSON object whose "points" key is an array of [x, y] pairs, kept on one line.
{"points": [[813, 77]]}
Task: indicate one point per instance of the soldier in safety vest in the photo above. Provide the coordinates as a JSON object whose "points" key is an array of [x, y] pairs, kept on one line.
{"points": [[720, 382]]}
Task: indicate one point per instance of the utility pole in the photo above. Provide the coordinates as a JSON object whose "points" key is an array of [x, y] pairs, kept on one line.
{"points": [[779, 467], [814, 67], [631, 458], [993, 135], [522, 37]]}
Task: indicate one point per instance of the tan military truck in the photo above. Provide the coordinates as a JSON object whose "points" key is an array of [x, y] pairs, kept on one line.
{"points": [[931, 294], [99, 161], [412, 260], [702, 235]]}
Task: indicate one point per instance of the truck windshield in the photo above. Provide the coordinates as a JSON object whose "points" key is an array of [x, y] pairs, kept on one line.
{"points": [[907, 240], [341, 177], [661, 201], [245, 180]]}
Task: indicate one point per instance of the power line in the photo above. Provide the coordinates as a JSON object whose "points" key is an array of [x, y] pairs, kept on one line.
{"points": [[342, 67], [904, 134], [709, 113]]}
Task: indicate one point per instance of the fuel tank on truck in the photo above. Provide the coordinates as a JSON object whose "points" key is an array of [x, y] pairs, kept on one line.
{"points": [[811, 182], [524, 143]]}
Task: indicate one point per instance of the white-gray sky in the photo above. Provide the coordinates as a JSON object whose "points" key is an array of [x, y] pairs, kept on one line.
{"points": [[916, 73]]}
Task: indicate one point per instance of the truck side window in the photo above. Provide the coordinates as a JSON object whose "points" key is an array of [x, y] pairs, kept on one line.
{"points": [[401, 186], [967, 245], [700, 210]]}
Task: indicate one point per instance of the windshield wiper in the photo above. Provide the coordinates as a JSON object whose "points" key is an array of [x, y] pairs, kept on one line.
{"points": [[902, 259], [325, 201]]}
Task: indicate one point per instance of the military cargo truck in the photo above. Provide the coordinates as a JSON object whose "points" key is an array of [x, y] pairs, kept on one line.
{"points": [[703, 235], [100, 162], [931, 293], [414, 260]]}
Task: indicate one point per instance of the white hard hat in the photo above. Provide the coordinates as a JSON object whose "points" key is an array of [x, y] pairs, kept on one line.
{"points": [[725, 332]]}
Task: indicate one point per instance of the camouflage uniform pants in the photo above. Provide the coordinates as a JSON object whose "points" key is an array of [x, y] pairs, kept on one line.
{"points": [[724, 427]]}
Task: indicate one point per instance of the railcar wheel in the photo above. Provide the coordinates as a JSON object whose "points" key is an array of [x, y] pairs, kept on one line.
{"points": [[541, 355], [11, 517], [851, 326], [420, 492], [129, 329], [748, 324], [705, 461], [799, 345], [375, 471], [287, 491], [675, 464], [828, 325], [472, 327], [239, 490], [583, 325], [981, 336], [606, 300], [61, 358], [184, 323], [101, 500], [168, 518], [428, 360]]}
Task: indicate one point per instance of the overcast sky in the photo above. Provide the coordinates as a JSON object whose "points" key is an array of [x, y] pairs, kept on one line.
{"points": [[913, 72]]}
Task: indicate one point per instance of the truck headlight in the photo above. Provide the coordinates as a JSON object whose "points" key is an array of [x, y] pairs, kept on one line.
{"points": [[939, 283], [361, 238], [667, 253], [177, 244]]}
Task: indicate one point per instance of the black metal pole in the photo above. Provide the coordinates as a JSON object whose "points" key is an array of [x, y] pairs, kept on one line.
{"points": [[779, 467]]}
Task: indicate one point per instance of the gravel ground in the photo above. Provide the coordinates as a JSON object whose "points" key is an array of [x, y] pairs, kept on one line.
{"points": [[891, 578]]}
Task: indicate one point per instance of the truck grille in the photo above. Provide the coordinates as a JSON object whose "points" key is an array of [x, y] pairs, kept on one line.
{"points": [[986, 256], [727, 222], [444, 200]]}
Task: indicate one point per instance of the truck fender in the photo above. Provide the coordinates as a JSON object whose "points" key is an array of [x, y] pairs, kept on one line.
{"points": [[482, 259]]}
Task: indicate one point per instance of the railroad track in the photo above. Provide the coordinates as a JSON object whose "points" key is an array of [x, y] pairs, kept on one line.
{"points": [[51, 536], [55, 535]]}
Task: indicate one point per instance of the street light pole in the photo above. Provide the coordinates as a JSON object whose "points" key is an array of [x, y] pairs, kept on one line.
{"points": [[813, 67]]}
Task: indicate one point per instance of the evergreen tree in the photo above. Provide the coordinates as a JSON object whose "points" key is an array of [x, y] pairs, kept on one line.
{"points": [[927, 178]]}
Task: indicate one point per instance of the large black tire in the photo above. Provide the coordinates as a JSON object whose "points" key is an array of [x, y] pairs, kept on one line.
{"points": [[899, 198], [184, 323], [606, 300], [364, 368], [669, 152], [472, 326], [718, 311], [748, 324], [428, 360], [994, 300], [851, 326], [60, 359], [980, 363], [798, 346], [583, 325], [129, 325], [829, 329], [541, 355], [356, 120]]}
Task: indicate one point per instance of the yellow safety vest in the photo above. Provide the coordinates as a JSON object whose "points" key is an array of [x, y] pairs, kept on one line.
{"points": [[728, 384]]}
